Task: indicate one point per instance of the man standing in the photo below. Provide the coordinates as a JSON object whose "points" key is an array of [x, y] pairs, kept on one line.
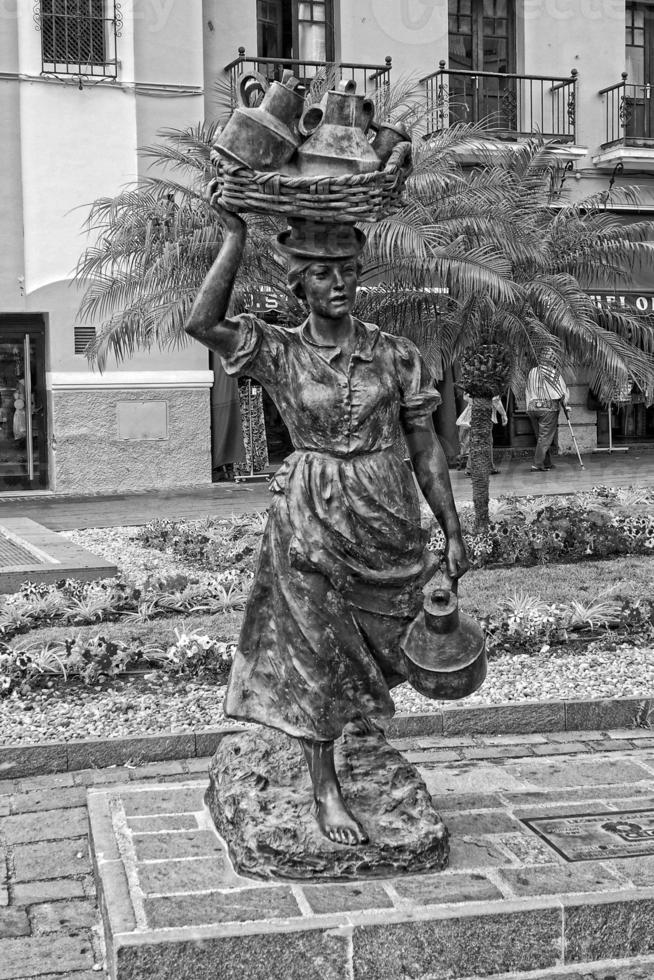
{"points": [[545, 391]]}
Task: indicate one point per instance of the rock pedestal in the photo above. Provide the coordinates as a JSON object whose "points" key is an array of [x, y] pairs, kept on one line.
{"points": [[261, 801]]}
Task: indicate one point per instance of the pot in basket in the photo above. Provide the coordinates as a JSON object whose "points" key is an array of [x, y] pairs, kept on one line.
{"points": [[336, 129], [266, 136], [444, 649]]}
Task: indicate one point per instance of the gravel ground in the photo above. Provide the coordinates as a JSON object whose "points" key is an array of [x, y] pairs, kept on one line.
{"points": [[156, 704]]}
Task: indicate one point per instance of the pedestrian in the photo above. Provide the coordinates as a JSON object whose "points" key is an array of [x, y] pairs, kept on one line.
{"points": [[546, 391], [463, 423]]}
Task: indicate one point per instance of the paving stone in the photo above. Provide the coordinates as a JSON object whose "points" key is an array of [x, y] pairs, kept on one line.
{"points": [[577, 736], [527, 848], [578, 772], [156, 770], [470, 801], [439, 950], [324, 899], [37, 955], [101, 777], [32, 760], [197, 765], [56, 780], [239, 905], [307, 955], [182, 844], [44, 825], [505, 719], [97, 753], [631, 734], [532, 738], [410, 726], [68, 917], [560, 878], [606, 745], [602, 714], [480, 853], [514, 751], [608, 930], [442, 888], [486, 822], [45, 799], [197, 875], [433, 755], [166, 821], [51, 859], [561, 748], [13, 923], [481, 780], [638, 870], [151, 802], [34, 892]]}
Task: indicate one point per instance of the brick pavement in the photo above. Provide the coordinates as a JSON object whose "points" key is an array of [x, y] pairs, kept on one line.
{"points": [[49, 922]]}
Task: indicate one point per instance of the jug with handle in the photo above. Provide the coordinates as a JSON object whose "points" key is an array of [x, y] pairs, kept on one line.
{"points": [[444, 650], [263, 137], [336, 129]]}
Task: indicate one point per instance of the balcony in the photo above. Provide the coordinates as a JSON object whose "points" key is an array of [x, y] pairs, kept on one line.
{"points": [[371, 80], [510, 106], [628, 127]]}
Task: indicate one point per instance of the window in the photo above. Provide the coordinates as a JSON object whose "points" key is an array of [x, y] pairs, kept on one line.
{"points": [[299, 29], [78, 37]]}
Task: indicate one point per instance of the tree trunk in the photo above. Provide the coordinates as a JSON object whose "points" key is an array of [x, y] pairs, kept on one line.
{"points": [[481, 434]]}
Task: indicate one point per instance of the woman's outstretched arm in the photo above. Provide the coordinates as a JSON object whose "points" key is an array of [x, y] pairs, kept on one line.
{"points": [[207, 321], [432, 474]]}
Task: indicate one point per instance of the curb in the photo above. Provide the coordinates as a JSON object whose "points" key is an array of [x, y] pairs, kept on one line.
{"points": [[526, 718]]}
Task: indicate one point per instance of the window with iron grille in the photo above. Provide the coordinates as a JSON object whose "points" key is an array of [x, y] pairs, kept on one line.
{"points": [[78, 37]]}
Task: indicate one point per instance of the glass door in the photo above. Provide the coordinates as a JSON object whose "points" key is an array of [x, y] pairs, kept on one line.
{"points": [[481, 40], [23, 451], [638, 105]]}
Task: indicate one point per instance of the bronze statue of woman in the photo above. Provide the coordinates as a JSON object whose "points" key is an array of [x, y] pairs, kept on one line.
{"points": [[343, 560]]}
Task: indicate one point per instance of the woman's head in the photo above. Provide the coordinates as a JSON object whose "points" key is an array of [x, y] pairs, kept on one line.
{"points": [[299, 266], [322, 255]]}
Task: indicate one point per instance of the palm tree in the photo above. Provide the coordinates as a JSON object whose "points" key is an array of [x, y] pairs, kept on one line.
{"points": [[502, 213], [512, 265]]}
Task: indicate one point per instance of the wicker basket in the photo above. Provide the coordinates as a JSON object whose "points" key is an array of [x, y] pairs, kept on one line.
{"points": [[348, 198]]}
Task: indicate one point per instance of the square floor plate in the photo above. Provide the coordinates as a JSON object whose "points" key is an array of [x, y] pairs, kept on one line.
{"points": [[594, 836]]}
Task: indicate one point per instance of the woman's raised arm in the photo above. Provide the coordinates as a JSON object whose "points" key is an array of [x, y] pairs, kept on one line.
{"points": [[207, 321]]}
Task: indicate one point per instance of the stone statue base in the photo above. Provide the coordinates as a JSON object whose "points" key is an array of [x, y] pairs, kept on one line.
{"points": [[261, 801]]}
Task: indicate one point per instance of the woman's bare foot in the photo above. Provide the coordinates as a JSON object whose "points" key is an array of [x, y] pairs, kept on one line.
{"points": [[337, 823]]}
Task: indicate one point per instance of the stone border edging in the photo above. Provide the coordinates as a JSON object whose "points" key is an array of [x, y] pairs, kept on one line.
{"points": [[524, 718]]}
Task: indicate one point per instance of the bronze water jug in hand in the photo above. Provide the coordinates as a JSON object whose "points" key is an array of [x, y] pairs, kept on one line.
{"points": [[444, 650], [263, 137]]}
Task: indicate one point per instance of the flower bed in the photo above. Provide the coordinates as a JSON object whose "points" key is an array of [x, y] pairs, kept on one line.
{"points": [[175, 608]]}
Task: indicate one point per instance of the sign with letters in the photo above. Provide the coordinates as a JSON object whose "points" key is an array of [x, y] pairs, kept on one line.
{"points": [[597, 836]]}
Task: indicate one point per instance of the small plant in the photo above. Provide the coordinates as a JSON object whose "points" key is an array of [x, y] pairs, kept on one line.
{"points": [[196, 653]]}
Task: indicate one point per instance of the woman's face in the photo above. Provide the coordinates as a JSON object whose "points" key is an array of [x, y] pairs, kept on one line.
{"points": [[330, 287]]}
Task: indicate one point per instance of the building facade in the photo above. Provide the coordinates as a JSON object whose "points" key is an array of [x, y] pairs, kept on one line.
{"points": [[85, 83]]}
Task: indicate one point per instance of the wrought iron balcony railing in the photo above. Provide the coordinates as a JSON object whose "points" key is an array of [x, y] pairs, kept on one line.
{"points": [[628, 113], [510, 105], [371, 79]]}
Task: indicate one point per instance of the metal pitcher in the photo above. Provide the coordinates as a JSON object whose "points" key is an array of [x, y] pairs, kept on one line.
{"points": [[336, 130], [444, 650], [263, 137]]}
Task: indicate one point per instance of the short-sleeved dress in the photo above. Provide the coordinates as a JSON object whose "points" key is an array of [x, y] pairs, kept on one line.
{"points": [[343, 559]]}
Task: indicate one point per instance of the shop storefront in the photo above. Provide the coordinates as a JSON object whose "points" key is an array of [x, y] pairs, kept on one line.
{"points": [[627, 420], [23, 405]]}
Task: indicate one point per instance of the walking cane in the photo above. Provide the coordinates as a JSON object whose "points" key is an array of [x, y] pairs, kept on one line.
{"points": [[567, 415]]}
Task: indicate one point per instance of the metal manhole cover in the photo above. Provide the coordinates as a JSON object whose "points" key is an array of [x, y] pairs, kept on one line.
{"points": [[15, 553], [598, 836]]}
